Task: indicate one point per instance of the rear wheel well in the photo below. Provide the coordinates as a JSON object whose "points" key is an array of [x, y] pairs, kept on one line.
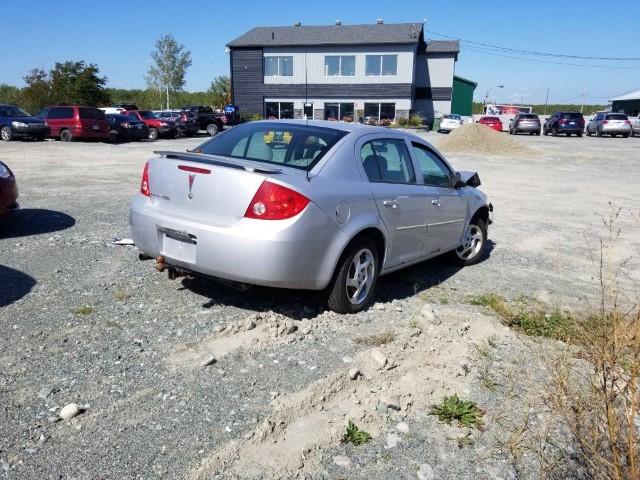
{"points": [[483, 214], [375, 236]]}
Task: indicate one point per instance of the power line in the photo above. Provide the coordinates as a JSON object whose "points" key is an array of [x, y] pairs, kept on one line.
{"points": [[534, 60], [537, 53]]}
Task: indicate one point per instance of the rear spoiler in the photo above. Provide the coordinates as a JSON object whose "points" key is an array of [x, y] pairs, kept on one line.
{"points": [[215, 160]]}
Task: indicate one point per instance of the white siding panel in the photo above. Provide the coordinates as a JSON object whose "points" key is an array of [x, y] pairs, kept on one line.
{"points": [[440, 71], [314, 57]]}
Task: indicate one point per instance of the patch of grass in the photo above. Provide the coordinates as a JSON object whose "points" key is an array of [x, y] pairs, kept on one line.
{"points": [[415, 322], [85, 310], [121, 295], [376, 339], [354, 435], [464, 411], [529, 316]]}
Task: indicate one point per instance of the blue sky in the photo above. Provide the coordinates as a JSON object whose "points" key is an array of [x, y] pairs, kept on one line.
{"points": [[118, 36]]}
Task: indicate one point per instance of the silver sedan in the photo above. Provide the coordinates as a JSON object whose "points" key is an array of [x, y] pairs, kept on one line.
{"points": [[308, 205]]}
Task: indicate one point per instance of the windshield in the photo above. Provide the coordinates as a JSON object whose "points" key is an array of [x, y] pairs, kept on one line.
{"points": [[297, 146], [11, 111], [148, 114], [453, 117]]}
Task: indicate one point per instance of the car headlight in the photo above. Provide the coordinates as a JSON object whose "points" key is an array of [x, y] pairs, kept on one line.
{"points": [[4, 171], [19, 124]]}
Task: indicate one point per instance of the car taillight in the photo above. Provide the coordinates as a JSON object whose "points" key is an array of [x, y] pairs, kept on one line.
{"points": [[604, 122], [275, 202], [223, 119], [627, 122], [144, 185]]}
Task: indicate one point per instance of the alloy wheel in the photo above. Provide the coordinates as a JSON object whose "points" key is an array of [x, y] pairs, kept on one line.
{"points": [[360, 276], [472, 244]]}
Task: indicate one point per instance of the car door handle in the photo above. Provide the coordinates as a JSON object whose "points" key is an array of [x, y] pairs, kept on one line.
{"points": [[435, 202], [393, 203]]}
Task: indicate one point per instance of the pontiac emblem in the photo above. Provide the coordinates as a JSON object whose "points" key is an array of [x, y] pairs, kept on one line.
{"points": [[191, 179]]}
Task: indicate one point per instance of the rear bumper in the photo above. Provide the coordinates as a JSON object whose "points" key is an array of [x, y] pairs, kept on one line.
{"points": [[616, 130], [292, 253], [527, 128]]}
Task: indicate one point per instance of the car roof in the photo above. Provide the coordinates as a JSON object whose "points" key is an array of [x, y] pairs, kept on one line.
{"points": [[344, 126]]}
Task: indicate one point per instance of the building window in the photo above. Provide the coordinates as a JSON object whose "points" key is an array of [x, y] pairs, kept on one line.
{"points": [[278, 110], [379, 111], [278, 66], [381, 65], [339, 111], [340, 65]]}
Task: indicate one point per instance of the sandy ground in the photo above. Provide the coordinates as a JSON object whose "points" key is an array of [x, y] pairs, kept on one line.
{"points": [[275, 402]]}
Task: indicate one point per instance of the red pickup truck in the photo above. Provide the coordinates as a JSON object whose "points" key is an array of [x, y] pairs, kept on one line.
{"points": [[158, 127]]}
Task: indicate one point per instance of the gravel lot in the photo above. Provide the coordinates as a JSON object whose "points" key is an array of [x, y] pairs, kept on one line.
{"points": [[85, 322]]}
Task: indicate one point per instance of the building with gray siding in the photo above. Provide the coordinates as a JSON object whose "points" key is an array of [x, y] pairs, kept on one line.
{"points": [[378, 71]]}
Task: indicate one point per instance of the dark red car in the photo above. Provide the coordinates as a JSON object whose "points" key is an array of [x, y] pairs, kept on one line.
{"points": [[158, 127], [492, 122], [8, 189], [70, 122]]}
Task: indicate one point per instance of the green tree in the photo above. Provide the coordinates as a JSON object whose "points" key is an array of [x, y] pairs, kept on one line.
{"points": [[170, 63], [10, 94], [220, 91], [37, 93], [75, 82]]}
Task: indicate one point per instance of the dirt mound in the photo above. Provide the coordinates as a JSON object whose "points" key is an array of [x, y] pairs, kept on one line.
{"points": [[476, 138]]}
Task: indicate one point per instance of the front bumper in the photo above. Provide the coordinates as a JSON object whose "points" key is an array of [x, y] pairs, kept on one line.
{"points": [[8, 194], [167, 131], [291, 253], [31, 131]]}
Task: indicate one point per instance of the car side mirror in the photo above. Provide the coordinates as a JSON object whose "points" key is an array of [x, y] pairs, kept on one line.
{"points": [[457, 181]]}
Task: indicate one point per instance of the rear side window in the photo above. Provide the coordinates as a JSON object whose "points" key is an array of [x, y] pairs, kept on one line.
{"points": [[387, 161], [91, 113], [617, 116], [60, 113], [294, 146]]}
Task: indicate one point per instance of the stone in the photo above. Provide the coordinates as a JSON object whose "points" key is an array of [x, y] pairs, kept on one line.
{"points": [[249, 324], [425, 472], [342, 461], [69, 411], [347, 359], [429, 315], [392, 441], [390, 402], [402, 427], [354, 373], [208, 361], [379, 359]]}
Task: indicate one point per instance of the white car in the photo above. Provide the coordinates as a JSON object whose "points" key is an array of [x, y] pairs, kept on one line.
{"points": [[450, 122]]}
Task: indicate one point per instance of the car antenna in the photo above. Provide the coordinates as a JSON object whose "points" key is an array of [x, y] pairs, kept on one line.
{"points": [[306, 101]]}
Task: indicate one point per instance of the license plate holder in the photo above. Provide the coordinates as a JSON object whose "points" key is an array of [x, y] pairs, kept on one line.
{"points": [[178, 245], [96, 127]]}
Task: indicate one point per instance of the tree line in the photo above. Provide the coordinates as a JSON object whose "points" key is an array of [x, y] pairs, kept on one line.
{"points": [[548, 109], [78, 82]]}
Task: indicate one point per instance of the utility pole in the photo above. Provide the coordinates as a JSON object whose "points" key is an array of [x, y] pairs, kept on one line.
{"points": [[167, 96], [584, 92], [546, 101]]}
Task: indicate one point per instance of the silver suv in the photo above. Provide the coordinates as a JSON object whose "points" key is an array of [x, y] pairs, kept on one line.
{"points": [[609, 124]]}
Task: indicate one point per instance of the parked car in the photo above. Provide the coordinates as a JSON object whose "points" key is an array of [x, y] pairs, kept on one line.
{"points": [[333, 208], [214, 122], [125, 128], [16, 123], [491, 122], [525, 122], [8, 189], [186, 122], [158, 127], [564, 122], [635, 124], [609, 124], [71, 122], [119, 108], [450, 122]]}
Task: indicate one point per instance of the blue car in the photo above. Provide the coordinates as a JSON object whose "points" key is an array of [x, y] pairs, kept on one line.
{"points": [[16, 123]]}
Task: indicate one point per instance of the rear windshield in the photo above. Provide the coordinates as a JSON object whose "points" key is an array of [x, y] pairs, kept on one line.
{"points": [[572, 115], [91, 113], [527, 116], [491, 119], [297, 146], [454, 117], [617, 116], [147, 114]]}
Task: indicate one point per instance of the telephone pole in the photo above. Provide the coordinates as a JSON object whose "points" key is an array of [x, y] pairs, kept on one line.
{"points": [[546, 101]]}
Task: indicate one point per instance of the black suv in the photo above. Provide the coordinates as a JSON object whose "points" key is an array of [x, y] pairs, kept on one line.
{"points": [[564, 122]]}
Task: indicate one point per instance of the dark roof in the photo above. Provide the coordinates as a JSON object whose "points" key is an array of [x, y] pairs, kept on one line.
{"points": [[443, 46], [375, 34], [465, 80]]}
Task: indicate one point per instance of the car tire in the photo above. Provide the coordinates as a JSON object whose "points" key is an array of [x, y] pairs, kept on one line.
{"points": [[625, 135], [545, 131], [474, 246], [153, 133], [598, 132], [532, 133], [554, 132], [579, 134], [6, 134], [39, 138], [588, 132], [359, 263], [212, 129], [113, 136], [538, 133], [66, 136]]}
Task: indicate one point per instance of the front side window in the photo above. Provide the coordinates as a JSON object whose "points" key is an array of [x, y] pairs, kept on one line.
{"points": [[278, 66], [11, 111], [378, 65], [296, 146], [60, 113], [340, 65], [387, 161], [434, 172]]}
